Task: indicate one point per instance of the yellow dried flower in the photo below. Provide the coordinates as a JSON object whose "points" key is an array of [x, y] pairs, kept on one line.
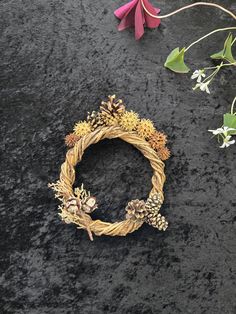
{"points": [[110, 120], [129, 120], [157, 140], [145, 128], [71, 139], [163, 153], [82, 128]]}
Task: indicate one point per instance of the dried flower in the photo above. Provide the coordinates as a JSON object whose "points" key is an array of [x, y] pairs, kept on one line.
{"points": [[157, 140], [163, 153], [129, 120], [82, 128], [145, 128], [71, 139], [95, 120]]}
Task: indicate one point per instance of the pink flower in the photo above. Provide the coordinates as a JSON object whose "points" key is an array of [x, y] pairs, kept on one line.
{"points": [[132, 14]]}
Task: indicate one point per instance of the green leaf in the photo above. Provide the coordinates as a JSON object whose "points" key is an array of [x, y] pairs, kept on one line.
{"points": [[175, 61], [230, 122], [226, 53]]}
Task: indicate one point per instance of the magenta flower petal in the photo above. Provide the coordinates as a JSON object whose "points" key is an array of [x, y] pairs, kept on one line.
{"points": [[151, 22], [127, 21], [139, 21], [125, 9]]}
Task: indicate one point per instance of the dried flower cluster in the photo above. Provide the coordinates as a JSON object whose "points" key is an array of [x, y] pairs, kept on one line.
{"points": [[71, 207], [113, 113]]}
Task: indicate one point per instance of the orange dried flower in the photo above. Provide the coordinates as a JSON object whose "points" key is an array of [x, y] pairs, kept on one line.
{"points": [[157, 140], [71, 139], [163, 153]]}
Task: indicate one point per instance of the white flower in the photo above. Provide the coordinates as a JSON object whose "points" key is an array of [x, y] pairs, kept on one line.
{"points": [[224, 130], [198, 74], [203, 87], [227, 142]]}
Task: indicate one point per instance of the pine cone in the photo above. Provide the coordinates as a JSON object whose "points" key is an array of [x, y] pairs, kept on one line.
{"points": [[95, 120], [157, 221], [153, 204], [112, 110], [136, 210], [73, 205], [153, 218], [157, 140]]}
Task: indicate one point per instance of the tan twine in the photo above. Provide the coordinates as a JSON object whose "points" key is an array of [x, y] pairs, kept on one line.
{"points": [[67, 179]]}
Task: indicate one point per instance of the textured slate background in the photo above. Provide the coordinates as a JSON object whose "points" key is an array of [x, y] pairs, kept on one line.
{"points": [[58, 60]]}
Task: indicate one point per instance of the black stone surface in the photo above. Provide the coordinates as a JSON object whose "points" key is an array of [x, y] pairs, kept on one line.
{"points": [[58, 60]]}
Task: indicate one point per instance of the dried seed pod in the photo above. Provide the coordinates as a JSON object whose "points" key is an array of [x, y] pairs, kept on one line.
{"points": [[157, 140], [82, 128], [71, 139], [89, 204], [145, 128], [73, 205], [163, 153], [129, 121]]}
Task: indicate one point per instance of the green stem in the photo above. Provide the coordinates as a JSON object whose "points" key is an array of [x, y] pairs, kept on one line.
{"points": [[213, 74], [232, 106], [209, 34], [233, 41], [223, 65]]}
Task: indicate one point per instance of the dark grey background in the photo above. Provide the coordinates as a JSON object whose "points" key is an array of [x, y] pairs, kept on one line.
{"points": [[59, 59]]}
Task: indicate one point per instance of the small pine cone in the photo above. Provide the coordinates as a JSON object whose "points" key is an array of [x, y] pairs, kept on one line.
{"points": [[158, 222], [112, 110], [136, 210], [153, 204], [157, 140], [145, 128], [163, 153], [129, 121], [95, 120], [71, 139], [73, 205], [82, 128], [89, 204]]}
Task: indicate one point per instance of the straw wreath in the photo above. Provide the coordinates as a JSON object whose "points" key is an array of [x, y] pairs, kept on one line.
{"points": [[112, 121]]}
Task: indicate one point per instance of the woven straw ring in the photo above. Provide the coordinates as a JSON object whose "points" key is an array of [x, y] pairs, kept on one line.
{"points": [[77, 204]]}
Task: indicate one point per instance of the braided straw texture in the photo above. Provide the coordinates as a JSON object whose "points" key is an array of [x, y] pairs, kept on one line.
{"points": [[67, 178]]}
